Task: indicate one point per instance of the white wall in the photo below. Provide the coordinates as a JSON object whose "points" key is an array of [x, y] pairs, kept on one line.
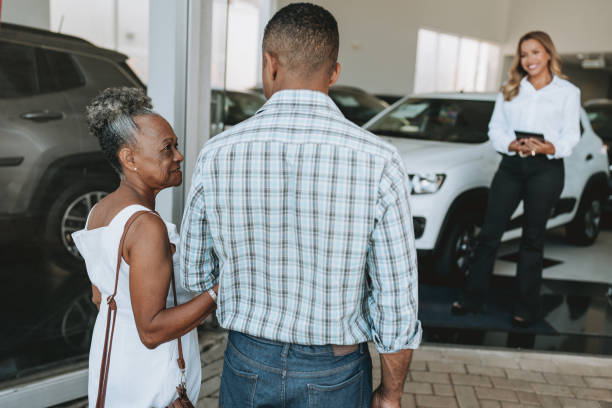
{"points": [[378, 39], [33, 13], [121, 25], [575, 26]]}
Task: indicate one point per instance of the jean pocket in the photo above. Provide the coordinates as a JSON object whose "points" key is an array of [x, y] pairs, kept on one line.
{"points": [[237, 387], [348, 393]]}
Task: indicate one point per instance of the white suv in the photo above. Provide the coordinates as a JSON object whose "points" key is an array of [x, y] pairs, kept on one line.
{"points": [[443, 141]]}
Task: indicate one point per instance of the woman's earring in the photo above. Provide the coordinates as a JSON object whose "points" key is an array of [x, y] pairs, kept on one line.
{"points": [[135, 169]]}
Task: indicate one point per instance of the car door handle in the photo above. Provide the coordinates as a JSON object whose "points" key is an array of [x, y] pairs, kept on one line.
{"points": [[42, 116], [589, 157]]}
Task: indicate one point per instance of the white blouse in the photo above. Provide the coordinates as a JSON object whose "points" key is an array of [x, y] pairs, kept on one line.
{"points": [[553, 111]]}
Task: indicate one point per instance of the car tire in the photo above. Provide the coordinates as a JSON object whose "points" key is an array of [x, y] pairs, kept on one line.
{"points": [[78, 322], [584, 228], [456, 249], [68, 213]]}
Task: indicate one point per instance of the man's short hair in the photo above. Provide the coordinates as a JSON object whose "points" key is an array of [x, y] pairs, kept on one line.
{"points": [[304, 37]]}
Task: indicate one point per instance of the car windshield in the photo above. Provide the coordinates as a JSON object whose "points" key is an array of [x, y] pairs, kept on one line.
{"points": [[358, 107], [446, 120], [600, 117]]}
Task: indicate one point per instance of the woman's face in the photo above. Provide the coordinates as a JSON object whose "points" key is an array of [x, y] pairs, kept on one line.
{"points": [[534, 57], [156, 156]]}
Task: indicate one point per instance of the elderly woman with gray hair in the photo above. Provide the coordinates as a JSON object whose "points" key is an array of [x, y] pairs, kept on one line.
{"points": [[129, 252]]}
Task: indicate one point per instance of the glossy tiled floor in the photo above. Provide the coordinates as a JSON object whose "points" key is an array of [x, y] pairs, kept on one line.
{"points": [[575, 292]]}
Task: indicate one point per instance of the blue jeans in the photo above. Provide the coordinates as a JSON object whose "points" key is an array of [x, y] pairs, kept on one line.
{"points": [[265, 373]]}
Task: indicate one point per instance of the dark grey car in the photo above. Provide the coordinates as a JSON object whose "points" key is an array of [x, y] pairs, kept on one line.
{"points": [[51, 168]]}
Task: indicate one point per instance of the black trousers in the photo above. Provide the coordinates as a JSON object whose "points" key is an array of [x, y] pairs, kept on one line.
{"points": [[537, 181]]}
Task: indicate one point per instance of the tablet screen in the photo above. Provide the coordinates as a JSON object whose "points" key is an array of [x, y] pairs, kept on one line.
{"points": [[524, 135]]}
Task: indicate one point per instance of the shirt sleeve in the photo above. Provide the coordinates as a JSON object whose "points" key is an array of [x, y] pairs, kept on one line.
{"points": [[198, 261], [392, 267], [500, 132], [569, 136]]}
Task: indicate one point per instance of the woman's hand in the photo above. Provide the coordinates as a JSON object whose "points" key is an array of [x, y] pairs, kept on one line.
{"points": [[536, 146], [514, 146], [96, 296], [519, 146]]}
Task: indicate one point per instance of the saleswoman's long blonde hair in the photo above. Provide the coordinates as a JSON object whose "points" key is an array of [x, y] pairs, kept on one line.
{"points": [[516, 72]]}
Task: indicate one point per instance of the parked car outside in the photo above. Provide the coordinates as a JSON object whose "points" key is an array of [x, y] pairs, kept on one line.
{"points": [[238, 106], [599, 112], [356, 105], [52, 169], [443, 141], [390, 99]]}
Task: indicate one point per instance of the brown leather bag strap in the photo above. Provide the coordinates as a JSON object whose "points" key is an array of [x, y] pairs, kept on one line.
{"points": [[181, 360], [112, 317]]}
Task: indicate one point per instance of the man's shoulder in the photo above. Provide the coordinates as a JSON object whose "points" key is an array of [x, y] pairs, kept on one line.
{"points": [[230, 136], [353, 136]]}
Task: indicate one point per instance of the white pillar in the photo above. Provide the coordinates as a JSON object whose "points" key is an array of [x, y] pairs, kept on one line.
{"points": [[179, 83], [198, 97]]}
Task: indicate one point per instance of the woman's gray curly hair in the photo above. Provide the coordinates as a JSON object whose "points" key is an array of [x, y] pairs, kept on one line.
{"points": [[110, 117]]}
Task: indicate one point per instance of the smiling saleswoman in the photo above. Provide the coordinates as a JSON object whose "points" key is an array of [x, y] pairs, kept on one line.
{"points": [[535, 124]]}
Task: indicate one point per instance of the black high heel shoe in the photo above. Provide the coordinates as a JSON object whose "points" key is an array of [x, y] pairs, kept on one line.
{"points": [[457, 309], [521, 323]]}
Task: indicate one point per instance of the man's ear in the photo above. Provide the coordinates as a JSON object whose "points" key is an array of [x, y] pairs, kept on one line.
{"points": [[270, 65], [335, 74]]}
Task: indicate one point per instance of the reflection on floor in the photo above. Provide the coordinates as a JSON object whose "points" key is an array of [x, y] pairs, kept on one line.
{"points": [[576, 294]]}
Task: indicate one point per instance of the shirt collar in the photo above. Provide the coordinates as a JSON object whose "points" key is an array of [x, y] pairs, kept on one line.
{"points": [[525, 84], [291, 99]]}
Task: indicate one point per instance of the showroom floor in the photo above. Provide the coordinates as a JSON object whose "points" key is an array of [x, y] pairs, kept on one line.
{"points": [[576, 295]]}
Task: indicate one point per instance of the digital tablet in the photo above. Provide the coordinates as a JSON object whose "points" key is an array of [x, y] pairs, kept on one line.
{"points": [[525, 135]]}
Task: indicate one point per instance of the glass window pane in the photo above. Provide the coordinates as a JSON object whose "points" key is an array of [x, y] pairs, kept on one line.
{"points": [[493, 68], [424, 76], [66, 74], [446, 63], [17, 70], [482, 69], [466, 70], [449, 63]]}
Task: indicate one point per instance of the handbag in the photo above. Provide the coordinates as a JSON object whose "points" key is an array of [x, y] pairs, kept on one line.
{"points": [[183, 400]]}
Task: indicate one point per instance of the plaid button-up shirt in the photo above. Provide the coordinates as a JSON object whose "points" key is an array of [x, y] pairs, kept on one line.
{"points": [[303, 218]]}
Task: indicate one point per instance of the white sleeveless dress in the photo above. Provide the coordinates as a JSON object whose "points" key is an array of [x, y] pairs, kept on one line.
{"points": [[138, 377]]}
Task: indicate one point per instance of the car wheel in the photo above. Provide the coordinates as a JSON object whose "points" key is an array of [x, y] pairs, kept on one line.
{"points": [[67, 214], [585, 227], [457, 248], [78, 322]]}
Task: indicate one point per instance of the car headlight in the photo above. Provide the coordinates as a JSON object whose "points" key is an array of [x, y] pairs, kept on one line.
{"points": [[426, 183]]}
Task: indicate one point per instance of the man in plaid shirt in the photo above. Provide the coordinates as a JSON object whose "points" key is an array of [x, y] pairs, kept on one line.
{"points": [[303, 218]]}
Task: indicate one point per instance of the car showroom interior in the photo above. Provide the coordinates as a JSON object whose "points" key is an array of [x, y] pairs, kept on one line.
{"points": [[422, 75]]}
